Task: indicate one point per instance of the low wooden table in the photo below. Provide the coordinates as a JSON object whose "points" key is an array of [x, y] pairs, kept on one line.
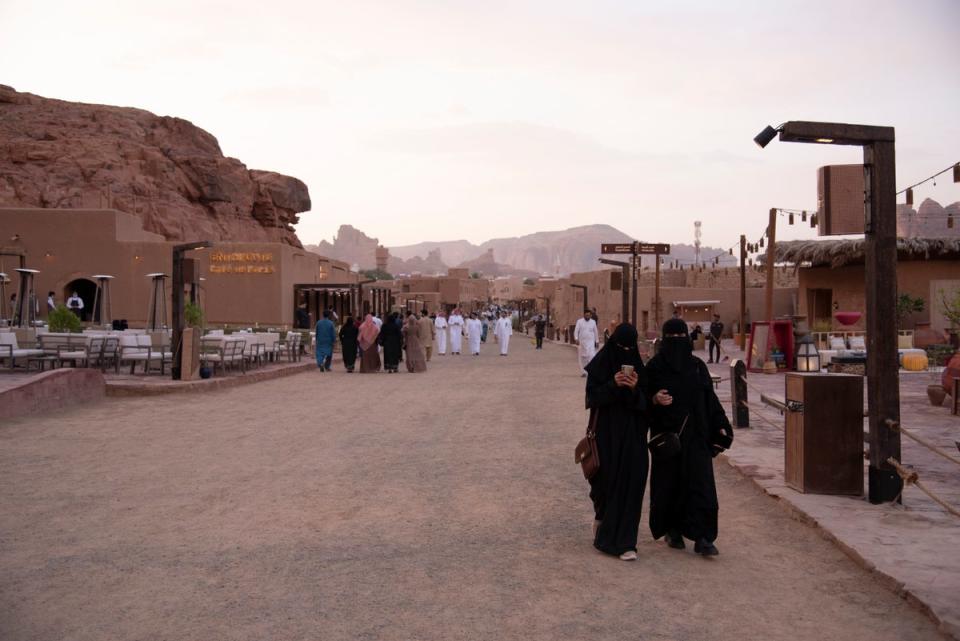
{"points": [[848, 364]]}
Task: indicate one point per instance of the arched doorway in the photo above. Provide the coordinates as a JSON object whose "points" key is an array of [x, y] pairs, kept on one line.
{"points": [[87, 291]]}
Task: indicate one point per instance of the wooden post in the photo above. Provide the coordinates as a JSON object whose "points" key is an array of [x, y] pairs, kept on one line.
{"points": [[771, 245], [635, 267], [656, 295], [738, 394], [743, 292], [880, 271]]}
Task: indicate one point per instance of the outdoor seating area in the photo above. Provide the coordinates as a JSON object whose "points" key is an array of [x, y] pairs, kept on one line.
{"points": [[143, 352]]}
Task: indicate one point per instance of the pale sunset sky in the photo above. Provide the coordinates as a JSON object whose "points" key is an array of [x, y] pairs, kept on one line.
{"points": [[442, 120]]}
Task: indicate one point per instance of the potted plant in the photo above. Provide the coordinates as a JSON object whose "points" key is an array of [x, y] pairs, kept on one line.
{"points": [[950, 306], [63, 320], [193, 318]]}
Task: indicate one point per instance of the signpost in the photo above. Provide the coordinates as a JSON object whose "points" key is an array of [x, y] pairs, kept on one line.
{"points": [[637, 249]]}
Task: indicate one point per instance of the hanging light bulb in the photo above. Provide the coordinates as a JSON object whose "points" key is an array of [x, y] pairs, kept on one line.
{"points": [[790, 218], [909, 195], [761, 242], [803, 216], [813, 220], [956, 173]]}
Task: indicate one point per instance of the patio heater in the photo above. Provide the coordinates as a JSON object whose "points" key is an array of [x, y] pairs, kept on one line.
{"points": [[25, 314], [102, 303], [808, 358], [157, 318]]}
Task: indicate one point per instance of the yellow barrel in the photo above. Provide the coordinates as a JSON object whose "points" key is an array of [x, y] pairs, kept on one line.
{"points": [[915, 362]]}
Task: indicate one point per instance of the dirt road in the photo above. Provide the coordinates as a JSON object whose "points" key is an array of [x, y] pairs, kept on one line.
{"points": [[331, 506]]}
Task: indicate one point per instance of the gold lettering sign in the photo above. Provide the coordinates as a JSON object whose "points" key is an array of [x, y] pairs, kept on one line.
{"points": [[241, 263]]}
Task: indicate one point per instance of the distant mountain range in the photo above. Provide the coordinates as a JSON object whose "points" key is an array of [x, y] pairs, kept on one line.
{"points": [[548, 253]]}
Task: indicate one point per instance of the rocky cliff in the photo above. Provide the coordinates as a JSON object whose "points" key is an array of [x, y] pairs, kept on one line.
{"points": [[172, 174]]}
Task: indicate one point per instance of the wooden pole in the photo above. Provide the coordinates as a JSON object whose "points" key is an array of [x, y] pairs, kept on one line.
{"points": [[883, 384], [738, 394], [635, 267], [743, 291], [656, 295], [771, 245]]}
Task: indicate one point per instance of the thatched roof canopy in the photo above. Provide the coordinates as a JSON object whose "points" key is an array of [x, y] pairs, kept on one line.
{"points": [[837, 253]]}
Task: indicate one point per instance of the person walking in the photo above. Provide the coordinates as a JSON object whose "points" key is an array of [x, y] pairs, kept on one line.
{"points": [[615, 397], [326, 336], [503, 331], [716, 331], [416, 362], [540, 330], [349, 334], [427, 333], [440, 324], [392, 341], [367, 342], [456, 331], [587, 337], [51, 302], [474, 331], [683, 494]]}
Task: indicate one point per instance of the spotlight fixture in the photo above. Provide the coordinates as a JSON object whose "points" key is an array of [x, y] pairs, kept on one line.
{"points": [[764, 137]]}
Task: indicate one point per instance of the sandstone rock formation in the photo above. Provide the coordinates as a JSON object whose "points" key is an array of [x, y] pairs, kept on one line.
{"points": [[172, 174]]}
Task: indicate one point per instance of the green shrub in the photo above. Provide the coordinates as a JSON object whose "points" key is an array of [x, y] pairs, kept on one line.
{"points": [[62, 319], [193, 315]]}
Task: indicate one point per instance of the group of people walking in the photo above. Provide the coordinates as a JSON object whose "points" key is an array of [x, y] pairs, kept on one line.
{"points": [[409, 340], [671, 398]]}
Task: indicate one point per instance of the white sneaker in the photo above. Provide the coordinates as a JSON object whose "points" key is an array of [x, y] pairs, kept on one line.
{"points": [[629, 555]]}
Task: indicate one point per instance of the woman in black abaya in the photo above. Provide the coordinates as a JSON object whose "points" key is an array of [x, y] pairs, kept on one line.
{"points": [[617, 488], [683, 496], [392, 341]]}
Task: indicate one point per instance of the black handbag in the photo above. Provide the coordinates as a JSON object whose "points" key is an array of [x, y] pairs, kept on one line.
{"points": [[666, 445]]}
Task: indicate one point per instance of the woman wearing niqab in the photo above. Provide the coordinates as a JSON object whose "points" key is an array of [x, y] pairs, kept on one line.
{"points": [[619, 401], [349, 334], [416, 361], [367, 341], [683, 495], [392, 341]]}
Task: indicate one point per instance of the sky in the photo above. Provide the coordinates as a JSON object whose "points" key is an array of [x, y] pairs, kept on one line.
{"points": [[443, 120]]}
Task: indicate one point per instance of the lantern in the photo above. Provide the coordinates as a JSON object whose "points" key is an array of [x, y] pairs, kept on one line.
{"points": [[808, 358], [909, 198]]}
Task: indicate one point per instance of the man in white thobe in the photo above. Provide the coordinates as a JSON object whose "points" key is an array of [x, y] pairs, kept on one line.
{"points": [[588, 339], [503, 331], [474, 332], [440, 323], [455, 322]]}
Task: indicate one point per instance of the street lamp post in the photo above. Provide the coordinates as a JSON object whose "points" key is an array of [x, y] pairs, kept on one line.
{"points": [[880, 272], [625, 287], [177, 304]]}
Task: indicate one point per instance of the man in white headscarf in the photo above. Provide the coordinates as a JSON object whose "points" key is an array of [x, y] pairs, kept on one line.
{"points": [[474, 334], [503, 331], [440, 324], [587, 337], [456, 331]]}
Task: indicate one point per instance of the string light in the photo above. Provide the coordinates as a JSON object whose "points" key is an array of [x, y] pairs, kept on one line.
{"points": [[803, 216], [909, 198], [790, 218]]}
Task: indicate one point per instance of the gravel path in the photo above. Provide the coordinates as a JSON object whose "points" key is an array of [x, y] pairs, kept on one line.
{"points": [[444, 505]]}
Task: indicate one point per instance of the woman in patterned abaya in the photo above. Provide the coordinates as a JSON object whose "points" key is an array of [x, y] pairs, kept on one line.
{"points": [[367, 341], [619, 401], [416, 361]]}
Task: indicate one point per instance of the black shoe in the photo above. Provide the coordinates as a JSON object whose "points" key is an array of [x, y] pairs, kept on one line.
{"points": [[706, 548], [675, 541]]}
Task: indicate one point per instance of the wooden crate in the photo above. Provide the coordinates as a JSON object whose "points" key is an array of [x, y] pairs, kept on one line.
{"points": [[824, 433]]}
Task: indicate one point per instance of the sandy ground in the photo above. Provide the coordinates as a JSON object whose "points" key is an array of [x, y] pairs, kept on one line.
{"points": [[443, 505]]}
